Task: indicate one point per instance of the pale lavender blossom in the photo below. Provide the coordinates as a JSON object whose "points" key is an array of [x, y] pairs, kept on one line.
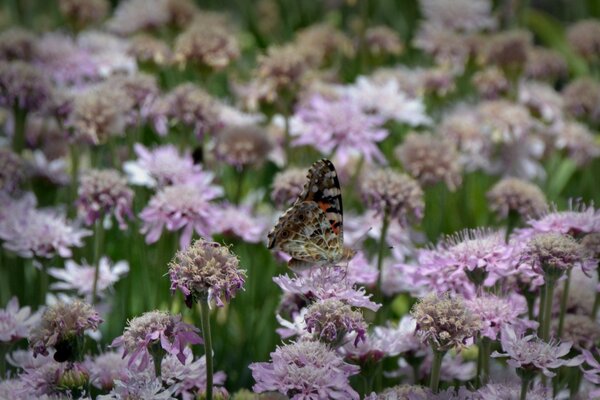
{"points": [[460, 16], [305, 370], [184, 207], [512, 391], [330, 320], [106, 368], [15, 322], [294, 328], [11, 388], [496, 312], [155, 328], [239, 221], [42, 379], [108, 52], [139, 385], [339, 126], [326, 283], [23, 86], [591, 374], [189, 378], [361, 271], [542, 100], [533, 354], [80, 278], [51, 170], [579, 219], [137, 15]]}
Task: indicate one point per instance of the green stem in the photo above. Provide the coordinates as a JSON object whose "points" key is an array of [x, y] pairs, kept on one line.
{"points": [[596, 300], [3, 351], [436, 370], [524, 387], [205, 317], [563, 304], [98, 238], [241, 174], [287, 137], [381, 252], [74, 178], [486, 345], [511, 222], [19, 133], [43, 282], [547, 316]]}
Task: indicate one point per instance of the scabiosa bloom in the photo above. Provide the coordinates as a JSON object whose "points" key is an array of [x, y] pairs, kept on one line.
{"points": [[322, 43], [577, 141], [210, 46], [12, 171], [512, 391], [15, 322], [516, 195], [141, 89], [155, 332], [545, 64], [150, 51], [239, 221], [579, 219], [542, 101], [17, 44], [445, 322], [403, 391], [287, 186], [553, 252], [139, 385], [430, 159], [305, 370], [190, 106], [584, 37], [81, 277], [137, 15], [42, 379], [242, 145], [530, 353], [61, 327], [183, 207], [582, 98], [580, 330], [491, 83], [206, 271], [461, 16], [83, 13], [382, 41], [508, 49], [23, 86], [106, 368], [495, 312], [593, 373], [331, 319], [393, 193], [104, 192]]}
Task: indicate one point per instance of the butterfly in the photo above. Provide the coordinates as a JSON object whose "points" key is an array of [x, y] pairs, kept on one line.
{"points": [[312, 230]]}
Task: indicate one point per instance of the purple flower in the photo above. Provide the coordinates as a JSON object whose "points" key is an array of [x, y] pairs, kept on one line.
{"points": [[330, 320], [81, 277], [31, 232], [339, 126], [554, 253], [533, 354], [206, 271], [184, 207], [106, 368], [15, 322], [326, 283], [155, 329], [42, 379], [496, 312], [238, 221], [361, 271], [460, 16], [511, 391], [305, 370], [578, 220], [593, 373], [12, 171], [104, 192], [139, 385], [23, 86]]}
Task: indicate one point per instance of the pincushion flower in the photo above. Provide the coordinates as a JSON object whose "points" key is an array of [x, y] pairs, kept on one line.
{"points": [[155, 332], [550, 252], [592, 372], [42, 380], [495, 312], [61, 327], [461, 16], [81, 277], [545, 64], [240, 222], [329, 320], [530, 353], [339, 126], [189, 105], [583, 37], [578, 220], [106, 368], [511, 391], [517, 195], [139, 385], [208, 46], [305, 370], [183, 207], [15, 322], [17, 43], [12, 171], [23, 86], [577, 141], [104, 192], [242, 146], [135, 15], [206, 271], [287, 186]]}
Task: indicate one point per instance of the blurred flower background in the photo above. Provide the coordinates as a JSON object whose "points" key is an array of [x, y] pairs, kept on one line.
{"points": [[148, 146]]}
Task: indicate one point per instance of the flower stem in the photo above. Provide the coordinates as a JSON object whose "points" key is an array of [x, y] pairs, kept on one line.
{"points": [[3, 351], [511, 222], [205, 317], [563, 304], [287, 139], [436, 369], [547, 314], [241, 174], [524, 387], [380, 254], [98, 238], [596, 300], [485, 358], [74, 176], [18, 141]]}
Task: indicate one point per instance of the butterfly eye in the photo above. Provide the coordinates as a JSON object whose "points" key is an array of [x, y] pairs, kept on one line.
{"points": [[285, 234]]}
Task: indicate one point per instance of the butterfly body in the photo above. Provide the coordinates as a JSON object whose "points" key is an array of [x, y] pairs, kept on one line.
{"points": [[312, 231]]}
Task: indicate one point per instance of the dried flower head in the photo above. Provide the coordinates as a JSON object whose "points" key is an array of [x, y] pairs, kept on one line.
{"points": [[584, 37], [582, 98], [23, 86], [517, 195], [303, 370], [393, 193], [206, 271], [150, 51], [578, 142], [383, 41], [104, 192], [141, 89], [82, 13], [330, 320], [242, 145], [191, 106], [12, 171], [430, 159], [491, 83], [17, 44], [545, 64], [322, 43], [580, 330], [553, 252], [208, 46], [508, 50], [445, 322], [15, 322], [287, 186], [152, 332], [61, 327]]}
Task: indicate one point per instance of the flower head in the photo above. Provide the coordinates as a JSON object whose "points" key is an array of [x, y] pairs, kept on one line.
{"points": [[149, 50], [331, 319], [106, 368], [138, 15], [183, 206], [321, 43], [81, 277], [579, 219], [542, 101], [381, 41], [210, 46], [530, 353], [139, 385], [580, 330], [461, 16], [287, 186], [84, 13], [552, 251], [444, 321], [206, 271], [495, 312], [403, 391], [242, 146], [508, 391], [491, 83], [545, 64], [584, 36], [239, 221], [61, 327], [508, 49], [17, 44], [104, 192], [190, 106], [582, 98], [305, 369], [578, 142], [15, 322], [23, 86], [155, 330], [396, 194], [516, 195], [188, 378], [430, 159], [12, 171]]}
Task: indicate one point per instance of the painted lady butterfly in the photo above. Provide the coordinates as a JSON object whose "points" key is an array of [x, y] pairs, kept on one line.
{"points": [[312, 230]]}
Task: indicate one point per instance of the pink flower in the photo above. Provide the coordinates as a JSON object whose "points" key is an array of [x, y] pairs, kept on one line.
{"points": [[139, 385], [239, 221], [339, 126], [593, 374], [106, 368], [305, 370], [183, 207], [496, 312], [531, 353], [579, 219], [15, 322]]}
